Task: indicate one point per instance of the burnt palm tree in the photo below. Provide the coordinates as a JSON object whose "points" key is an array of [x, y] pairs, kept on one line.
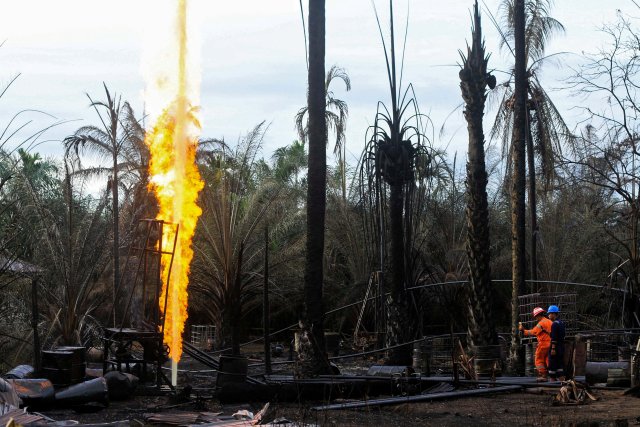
{"points": [[336, 113], [120, 140], [314, 360], [546, 130], [474, 79], [518, 179], [394, 159]]}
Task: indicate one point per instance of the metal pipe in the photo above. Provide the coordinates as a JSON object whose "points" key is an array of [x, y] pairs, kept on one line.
{"points": [[418, 398]]}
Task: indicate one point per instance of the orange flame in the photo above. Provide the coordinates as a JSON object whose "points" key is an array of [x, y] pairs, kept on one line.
{"points": [[176, 182]]}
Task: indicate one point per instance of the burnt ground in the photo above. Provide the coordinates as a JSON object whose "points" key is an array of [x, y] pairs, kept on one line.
{"points": [[516, 409], [513, 409]]}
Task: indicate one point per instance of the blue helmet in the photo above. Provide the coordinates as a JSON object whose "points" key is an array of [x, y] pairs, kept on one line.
{"points": [[553, 309]]}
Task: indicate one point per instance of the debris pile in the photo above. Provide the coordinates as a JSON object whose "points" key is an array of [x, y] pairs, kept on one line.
{"points": [[573, 393]]}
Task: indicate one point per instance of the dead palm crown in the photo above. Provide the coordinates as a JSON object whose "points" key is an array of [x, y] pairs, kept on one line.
{"points": [[474, 79], [546, 131], [396, 157]]}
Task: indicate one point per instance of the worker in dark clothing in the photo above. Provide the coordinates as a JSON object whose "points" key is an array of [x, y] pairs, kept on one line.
{"points": [[556, 351]]}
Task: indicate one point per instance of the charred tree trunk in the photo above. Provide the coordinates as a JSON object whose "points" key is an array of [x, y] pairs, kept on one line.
{"points": [[313, 358], [518, 184], [533, 208], [236, 309], [266, 310], [116, 216], [35, 318], [474, 80], [398, 304]]}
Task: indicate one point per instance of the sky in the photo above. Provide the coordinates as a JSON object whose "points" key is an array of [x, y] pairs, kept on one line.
{"points": [[252, 62]]}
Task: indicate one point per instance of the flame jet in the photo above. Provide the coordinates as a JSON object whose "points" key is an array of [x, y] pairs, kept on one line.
{"points": [[176, 182]]}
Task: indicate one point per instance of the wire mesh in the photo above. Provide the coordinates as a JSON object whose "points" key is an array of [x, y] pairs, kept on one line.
{"points": [[202, 336], [566, 301], [610, 346]]}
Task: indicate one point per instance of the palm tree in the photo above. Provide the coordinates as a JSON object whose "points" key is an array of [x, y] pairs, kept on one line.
{"points": [[228, 245], [72, 229], [474, 80], [518, 180], [336, 113], [120, 138], [394, 159], [546, 130], [312, 354], [289, 161]]}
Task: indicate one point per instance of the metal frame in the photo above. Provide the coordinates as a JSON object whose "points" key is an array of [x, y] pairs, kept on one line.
{"points": [[119, 341]]}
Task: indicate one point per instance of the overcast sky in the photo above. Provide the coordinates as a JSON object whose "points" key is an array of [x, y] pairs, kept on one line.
{"points": [[253, 61]]}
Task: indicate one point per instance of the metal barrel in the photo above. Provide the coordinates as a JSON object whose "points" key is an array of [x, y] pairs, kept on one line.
{"points": [[617, 377], [422, 357], [598, 372], [64, 365], [487, 360], [529, 359], [232, 369]]}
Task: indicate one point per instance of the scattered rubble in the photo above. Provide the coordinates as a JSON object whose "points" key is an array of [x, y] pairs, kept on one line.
{"points": [[573, 393]]}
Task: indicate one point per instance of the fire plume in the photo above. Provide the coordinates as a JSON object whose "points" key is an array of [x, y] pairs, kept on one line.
{"points": [[176, 182]]}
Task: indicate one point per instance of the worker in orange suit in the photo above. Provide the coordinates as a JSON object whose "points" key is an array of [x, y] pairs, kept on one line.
{"points": [[542, 332]]}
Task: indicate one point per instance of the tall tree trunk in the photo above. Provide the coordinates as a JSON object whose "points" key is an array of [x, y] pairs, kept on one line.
{"points": [[266, 311], [236, 308], [474, 79], [116, 217], [398, 304], [35, 318], [518, 182], [313, 357], [533, 242]]}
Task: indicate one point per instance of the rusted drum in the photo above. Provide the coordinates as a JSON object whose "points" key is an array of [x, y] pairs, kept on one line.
{"points": [[617, 377], [422, 357], [598, 372], [78, 363], [64, 365], [529, 360], [487, 361]]}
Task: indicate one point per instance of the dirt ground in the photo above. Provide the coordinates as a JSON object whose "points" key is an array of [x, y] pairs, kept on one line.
{"points": [[513, 409], [516, 409]]}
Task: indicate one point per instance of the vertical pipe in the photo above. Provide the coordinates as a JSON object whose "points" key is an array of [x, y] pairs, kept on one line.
{"points": [[174, 373]]}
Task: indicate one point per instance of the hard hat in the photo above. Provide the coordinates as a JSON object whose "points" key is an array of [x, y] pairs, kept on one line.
{"points": [[553, 309], [537, 311]]}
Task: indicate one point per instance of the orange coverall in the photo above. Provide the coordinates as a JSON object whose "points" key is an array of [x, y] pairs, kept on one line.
{"points": [[542, 331]]}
